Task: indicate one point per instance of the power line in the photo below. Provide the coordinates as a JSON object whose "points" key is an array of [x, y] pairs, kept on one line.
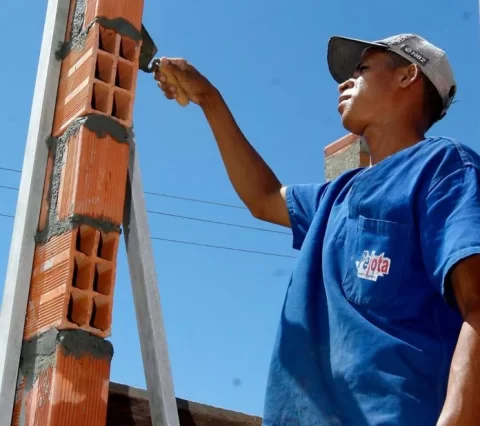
{"points": [[158, 194], [196, 200], [217, 222], [223, 247], [235, 225], [10, 170], [9, 187], [192, 243]]}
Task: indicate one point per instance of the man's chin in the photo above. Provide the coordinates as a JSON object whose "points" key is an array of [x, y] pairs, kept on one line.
{"points": [[350, 124], [347, 122]]}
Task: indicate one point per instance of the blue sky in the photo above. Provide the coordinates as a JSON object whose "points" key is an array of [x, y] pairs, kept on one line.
{"points": [[268, 58]]}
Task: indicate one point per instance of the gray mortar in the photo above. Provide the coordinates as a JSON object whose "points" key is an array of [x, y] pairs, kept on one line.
{"points": [[102, 126], [120, 26], [77, 41], [78, 18], [79, 343], [59, 227], [38, 353]]}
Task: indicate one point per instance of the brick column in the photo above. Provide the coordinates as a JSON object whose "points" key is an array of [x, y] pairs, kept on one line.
{"points": [[348, 152], [64, 371]]}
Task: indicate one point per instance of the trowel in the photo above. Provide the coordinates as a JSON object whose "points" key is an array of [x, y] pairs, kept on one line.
{"points": [[149, 64]]}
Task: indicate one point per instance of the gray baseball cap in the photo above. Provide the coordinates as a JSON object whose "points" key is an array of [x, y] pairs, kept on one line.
{"points": [[344, 55]]}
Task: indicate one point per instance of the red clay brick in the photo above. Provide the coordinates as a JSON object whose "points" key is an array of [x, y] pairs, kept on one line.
{"points": [[101, 317], [129, 49], [122, 105], [31, 406], [131, 11], [73, 391], [71, 12], [87, 240], [44, 208], [99, 79], [94, 177], [103, 279], [107, 246], [125, 76], [17, 408], [104, 68], [72, 285], [108, 41]]}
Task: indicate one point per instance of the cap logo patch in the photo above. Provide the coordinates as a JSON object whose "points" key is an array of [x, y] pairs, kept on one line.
{"points": [[422, 60], [394, 41]]}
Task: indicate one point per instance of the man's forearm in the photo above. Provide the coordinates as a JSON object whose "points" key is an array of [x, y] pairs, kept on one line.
{"points": [[250, 175], [462, 405]]}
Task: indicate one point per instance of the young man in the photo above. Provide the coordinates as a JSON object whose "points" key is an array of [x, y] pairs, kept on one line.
{"points": [[381, 321]]}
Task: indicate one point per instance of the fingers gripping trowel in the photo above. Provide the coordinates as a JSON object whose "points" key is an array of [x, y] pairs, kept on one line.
{"points": [[150, 65]]}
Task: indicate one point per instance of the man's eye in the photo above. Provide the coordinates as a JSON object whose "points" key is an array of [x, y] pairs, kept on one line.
{"points": [[362, 68]]}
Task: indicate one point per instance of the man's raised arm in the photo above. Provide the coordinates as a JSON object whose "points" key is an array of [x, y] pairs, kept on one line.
{"points": [[252, 178]]}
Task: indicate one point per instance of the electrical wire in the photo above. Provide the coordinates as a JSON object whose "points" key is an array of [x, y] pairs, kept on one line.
{"points": [[193, 218], [198, 219], [161, 194], [9, 187], [193, 243], [10, 170], [195, 200], [253, 228], [223, 247]]}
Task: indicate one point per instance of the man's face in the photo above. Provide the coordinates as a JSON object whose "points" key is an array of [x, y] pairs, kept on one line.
{"points": [[368, 97]]}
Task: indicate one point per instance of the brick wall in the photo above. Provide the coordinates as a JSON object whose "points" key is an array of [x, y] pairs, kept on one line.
{"points": [[64, 370], [346, 153]]}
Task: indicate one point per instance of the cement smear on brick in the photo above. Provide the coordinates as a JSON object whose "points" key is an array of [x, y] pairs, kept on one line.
{"points": [[38, 353], [79, 343], [102, 126], [78, 36], [78, 18]]}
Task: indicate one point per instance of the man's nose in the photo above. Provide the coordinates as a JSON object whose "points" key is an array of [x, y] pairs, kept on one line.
{"points": [[350, 83]]}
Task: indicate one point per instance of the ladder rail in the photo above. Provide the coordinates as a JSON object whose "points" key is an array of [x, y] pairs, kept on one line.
{"points": [[158, 376], [22, 247]]}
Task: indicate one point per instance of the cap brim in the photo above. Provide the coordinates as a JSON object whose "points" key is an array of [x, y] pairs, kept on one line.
{"points": [[344, 55]]}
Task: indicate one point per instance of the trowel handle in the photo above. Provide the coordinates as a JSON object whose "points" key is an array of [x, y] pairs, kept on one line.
{"points": [[182, 97]]}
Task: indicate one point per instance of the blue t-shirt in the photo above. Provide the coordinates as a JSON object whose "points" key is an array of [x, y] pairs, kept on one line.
{"points": [[368, 328]]}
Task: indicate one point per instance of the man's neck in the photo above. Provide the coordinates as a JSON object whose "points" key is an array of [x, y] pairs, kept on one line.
{"points": [[385, 140]]}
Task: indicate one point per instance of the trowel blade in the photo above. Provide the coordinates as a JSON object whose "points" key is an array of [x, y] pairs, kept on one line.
{"points": [[147, 52]]}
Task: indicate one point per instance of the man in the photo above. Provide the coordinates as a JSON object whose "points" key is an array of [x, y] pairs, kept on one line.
{"points": [[381, 321]]}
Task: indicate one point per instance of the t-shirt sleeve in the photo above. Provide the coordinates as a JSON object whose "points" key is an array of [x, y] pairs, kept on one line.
{"points": [[450, 225], [302, 203]]}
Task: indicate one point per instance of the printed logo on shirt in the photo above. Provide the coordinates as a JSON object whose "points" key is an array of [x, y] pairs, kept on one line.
{"points": [[372, 266]]}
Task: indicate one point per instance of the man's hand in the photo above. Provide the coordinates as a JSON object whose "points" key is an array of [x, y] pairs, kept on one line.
{"points": [[195, 85]]}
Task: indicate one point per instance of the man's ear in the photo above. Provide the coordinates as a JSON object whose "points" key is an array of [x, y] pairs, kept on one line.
{"points": [[408, 75]]}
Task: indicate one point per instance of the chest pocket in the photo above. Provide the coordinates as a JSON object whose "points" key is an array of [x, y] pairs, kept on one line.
{"points": [[376, 254]]}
